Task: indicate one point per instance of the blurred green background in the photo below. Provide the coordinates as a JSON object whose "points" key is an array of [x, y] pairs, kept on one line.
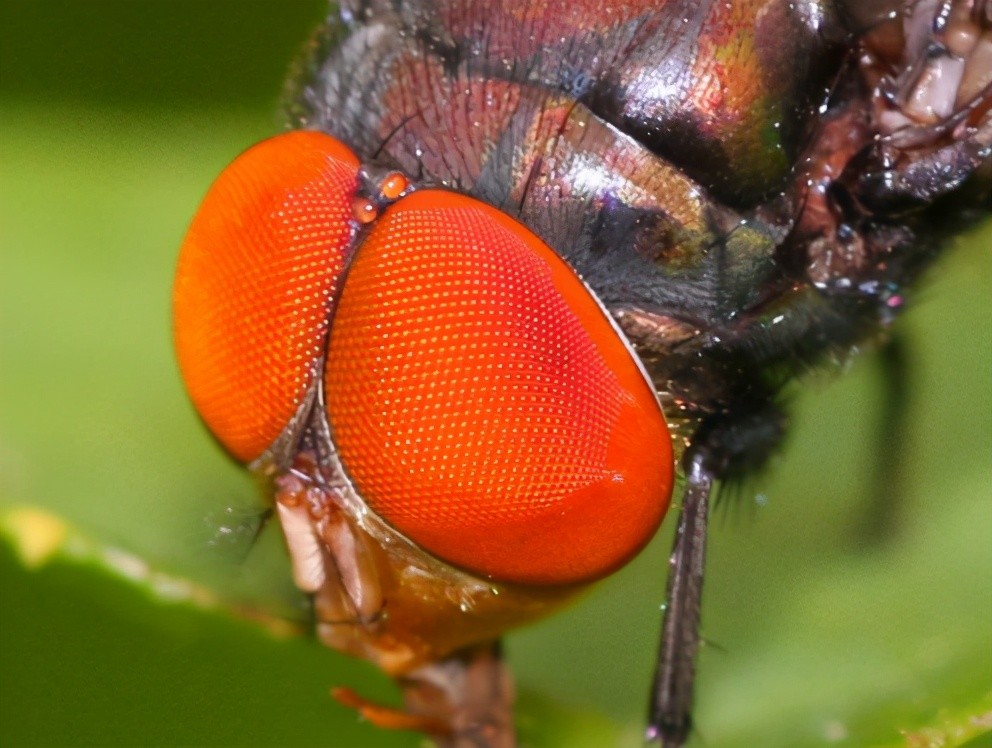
{"points": [[114, 118]]}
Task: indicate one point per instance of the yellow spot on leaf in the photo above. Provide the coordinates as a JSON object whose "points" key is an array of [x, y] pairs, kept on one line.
{"points": [[36, 534]]}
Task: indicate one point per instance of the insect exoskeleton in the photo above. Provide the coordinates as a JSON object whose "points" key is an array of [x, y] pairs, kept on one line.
{"points": [[457, 434]]}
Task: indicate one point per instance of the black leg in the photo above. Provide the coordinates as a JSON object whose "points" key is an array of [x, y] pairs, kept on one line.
{"points": [[882, 518], [670, 719]]}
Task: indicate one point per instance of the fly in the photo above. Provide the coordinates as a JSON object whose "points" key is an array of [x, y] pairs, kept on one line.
{"points": [[516, 261]]}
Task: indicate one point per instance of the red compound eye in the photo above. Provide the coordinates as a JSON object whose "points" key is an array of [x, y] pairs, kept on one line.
{"points": [[485, 405], [257, 273]]}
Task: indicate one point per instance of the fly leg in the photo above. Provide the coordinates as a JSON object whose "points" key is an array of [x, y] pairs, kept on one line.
{"points": [[471, 692], [671, 709], [462, 701], [723, 447], [882, 516]]}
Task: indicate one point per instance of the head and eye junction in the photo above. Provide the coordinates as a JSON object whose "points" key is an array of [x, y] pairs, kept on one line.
{"points": [[456, 434]]}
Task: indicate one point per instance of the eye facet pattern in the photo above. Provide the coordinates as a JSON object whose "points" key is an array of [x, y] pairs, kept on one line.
{"points": [[478, 396], [257, 274], [484, 404]]}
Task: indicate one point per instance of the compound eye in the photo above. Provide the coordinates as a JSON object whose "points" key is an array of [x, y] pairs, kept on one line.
{"points": [[485, 405], [257, 274]]}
